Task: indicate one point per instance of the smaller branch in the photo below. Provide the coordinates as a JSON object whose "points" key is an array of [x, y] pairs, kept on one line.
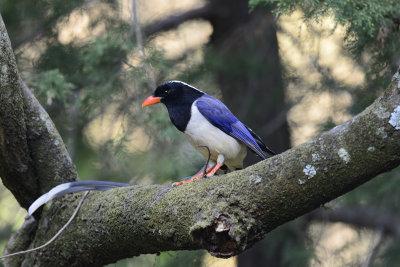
{"points": [[139, 41], [361, 217], [174, 21]]}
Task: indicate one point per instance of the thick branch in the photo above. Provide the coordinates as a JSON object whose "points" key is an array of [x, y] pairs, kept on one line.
{"points": [[16, 168], [361, 217], [227, 214], [33, 158]]}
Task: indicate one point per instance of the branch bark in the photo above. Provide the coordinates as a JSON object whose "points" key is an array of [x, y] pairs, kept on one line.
{"points": [[33, 158], [224, 215]]}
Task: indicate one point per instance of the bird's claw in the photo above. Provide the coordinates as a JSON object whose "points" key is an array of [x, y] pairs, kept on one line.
{"points": [[194, 178]]}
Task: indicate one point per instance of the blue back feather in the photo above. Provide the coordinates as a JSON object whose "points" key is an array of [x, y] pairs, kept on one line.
{"points": [[221, 117]]}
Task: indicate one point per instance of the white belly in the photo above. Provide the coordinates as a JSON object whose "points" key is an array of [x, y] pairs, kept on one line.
{"points": [[200, 132]]}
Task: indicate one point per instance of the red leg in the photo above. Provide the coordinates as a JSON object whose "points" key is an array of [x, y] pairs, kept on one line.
{"points": [[214, 170], [198, 176]]}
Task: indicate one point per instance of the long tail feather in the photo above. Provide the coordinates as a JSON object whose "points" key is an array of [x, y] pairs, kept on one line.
{"points": [[260, 142], [73, 187]]}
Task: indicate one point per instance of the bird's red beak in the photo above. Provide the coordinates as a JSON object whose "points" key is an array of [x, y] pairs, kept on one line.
{"points": [[151, 100]]}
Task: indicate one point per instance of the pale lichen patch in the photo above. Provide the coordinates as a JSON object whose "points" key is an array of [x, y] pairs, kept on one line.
{"points": [[344, 155], [396, 76], [371, 149], [381, 132], [3, 74], [302, 181], [255, 179], [395, 118], [310, 171], [42, 117], [382, 113], [315, 156]]}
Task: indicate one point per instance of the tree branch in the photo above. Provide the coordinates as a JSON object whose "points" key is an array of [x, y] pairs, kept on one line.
{"points": [[16, 168], [32, 154], [174, 21], [361, 217]]}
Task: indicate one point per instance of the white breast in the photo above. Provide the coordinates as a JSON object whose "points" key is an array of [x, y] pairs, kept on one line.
{"points": [[200, 132]]}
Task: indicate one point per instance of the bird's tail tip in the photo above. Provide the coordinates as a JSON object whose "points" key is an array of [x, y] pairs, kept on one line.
{"points": [[72, 187]]}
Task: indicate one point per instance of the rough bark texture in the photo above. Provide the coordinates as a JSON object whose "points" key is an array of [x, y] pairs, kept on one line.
{"points": [[33, 158], [225, 215], [16, 168]]}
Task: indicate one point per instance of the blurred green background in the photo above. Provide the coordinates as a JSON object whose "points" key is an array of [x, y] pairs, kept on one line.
{"points": [[288, 74]]}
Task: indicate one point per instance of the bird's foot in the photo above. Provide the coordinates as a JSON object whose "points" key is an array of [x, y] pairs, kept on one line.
{"points": [[194, 178], [214, 170], [189, 179]]}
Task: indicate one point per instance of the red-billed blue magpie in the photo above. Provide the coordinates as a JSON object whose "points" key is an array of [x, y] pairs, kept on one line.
{"points": [[209, 126]]}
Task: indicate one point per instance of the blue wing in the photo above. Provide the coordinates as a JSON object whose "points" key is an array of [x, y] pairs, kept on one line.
{"points": [[221, 117]]}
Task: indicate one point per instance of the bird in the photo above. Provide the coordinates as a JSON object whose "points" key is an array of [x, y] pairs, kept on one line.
{"points": [[210, 127]]}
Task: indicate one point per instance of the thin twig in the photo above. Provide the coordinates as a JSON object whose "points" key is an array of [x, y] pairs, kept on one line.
{"points": [[55, 236], [139, 41]]}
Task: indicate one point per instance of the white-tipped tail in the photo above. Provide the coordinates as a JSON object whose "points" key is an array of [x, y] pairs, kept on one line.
{"points": [[72, 187]]}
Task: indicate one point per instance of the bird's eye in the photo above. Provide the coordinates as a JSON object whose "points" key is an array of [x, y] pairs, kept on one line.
{"points": [[166, 91]]}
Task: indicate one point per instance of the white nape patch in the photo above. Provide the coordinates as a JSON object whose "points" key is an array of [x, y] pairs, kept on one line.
{"points": [[310, 171], [395, 118], [381, 132], [200, 132], [302, 181], [255, 179], [175, 81], [315, 156], [371, 149], [382, 113], [344, 155]]}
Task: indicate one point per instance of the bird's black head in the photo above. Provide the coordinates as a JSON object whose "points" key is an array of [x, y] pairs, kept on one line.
{"points": [[173, 93], [178, 97]]}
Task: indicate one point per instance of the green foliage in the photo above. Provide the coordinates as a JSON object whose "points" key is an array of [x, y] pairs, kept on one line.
{"points": [[363, 19], [372, 33], [52, 86]]}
